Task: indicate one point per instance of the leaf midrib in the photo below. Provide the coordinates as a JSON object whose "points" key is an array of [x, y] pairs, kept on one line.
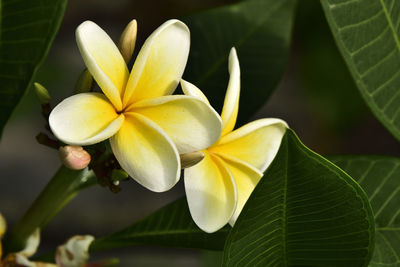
{"points": [[127, 240], [162, 233], [347, 54], [387, 15], [387, 228]]}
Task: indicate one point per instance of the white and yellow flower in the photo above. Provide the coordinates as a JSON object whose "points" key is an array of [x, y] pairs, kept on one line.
{"points": [[218, 187], [147, 126], [74, 253], [20, 258]]}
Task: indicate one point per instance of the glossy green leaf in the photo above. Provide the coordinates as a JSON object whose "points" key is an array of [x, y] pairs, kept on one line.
{"points": [[368, 35], [170, 226], [304, 212], [380, 178], [260, 30], [27, 29]]}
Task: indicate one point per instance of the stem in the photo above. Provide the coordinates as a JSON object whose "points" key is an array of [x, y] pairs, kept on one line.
{"points": [[43, 139], [61, 189]]}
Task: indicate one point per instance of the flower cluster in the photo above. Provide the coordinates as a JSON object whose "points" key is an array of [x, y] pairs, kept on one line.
{"points": [[73, 253], [149, 128]]}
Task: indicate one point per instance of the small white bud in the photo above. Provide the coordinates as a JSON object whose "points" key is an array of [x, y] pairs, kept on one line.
{"points": [[191, 159], [127, 41], [74, 157]]}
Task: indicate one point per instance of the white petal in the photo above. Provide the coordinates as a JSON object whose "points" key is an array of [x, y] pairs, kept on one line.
{"points": [[75, 252], [191, 90], [103, 60], [191, 124], [246, 178], [160, 63], [32, 244], [255, 143], [211, 193], [231, 103], [146, 153], [85, 119], [23, 261]]}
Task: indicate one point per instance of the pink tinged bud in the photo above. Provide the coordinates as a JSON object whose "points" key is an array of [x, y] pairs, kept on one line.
{"points": [[74, 157]]}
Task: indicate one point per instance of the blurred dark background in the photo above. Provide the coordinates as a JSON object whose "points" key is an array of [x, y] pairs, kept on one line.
{"points": [[316, 96]]}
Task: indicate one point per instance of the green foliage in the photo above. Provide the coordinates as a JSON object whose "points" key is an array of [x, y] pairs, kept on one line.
{"points": [[304, 212], [27, 29], [380, 178], [260, 30], [170, 226], [367, 34], [330, 92]]}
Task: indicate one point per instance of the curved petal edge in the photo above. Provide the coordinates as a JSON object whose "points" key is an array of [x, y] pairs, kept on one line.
{"points": [[146, 153], [85, 119]]}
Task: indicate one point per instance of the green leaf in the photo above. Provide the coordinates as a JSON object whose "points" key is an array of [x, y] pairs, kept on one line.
{"points": [[170, 226], [380, 178], [27, 29], [304, 212], [260, 30], [367, 34]]}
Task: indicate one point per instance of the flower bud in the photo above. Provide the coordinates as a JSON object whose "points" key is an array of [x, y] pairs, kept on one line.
{"points": [[3, 225], [75, 252], [42, 93], [74, 157], [127, 40], [118, 175], [191, 159], [84, 82]]}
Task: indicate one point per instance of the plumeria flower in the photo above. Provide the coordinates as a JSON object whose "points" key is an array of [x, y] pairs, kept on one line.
{"points": [[218, 187], [20, 258], [74, 253], [147, 126]]}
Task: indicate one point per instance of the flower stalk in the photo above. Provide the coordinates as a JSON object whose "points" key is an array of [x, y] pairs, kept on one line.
{"points": [[61, 189]]}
